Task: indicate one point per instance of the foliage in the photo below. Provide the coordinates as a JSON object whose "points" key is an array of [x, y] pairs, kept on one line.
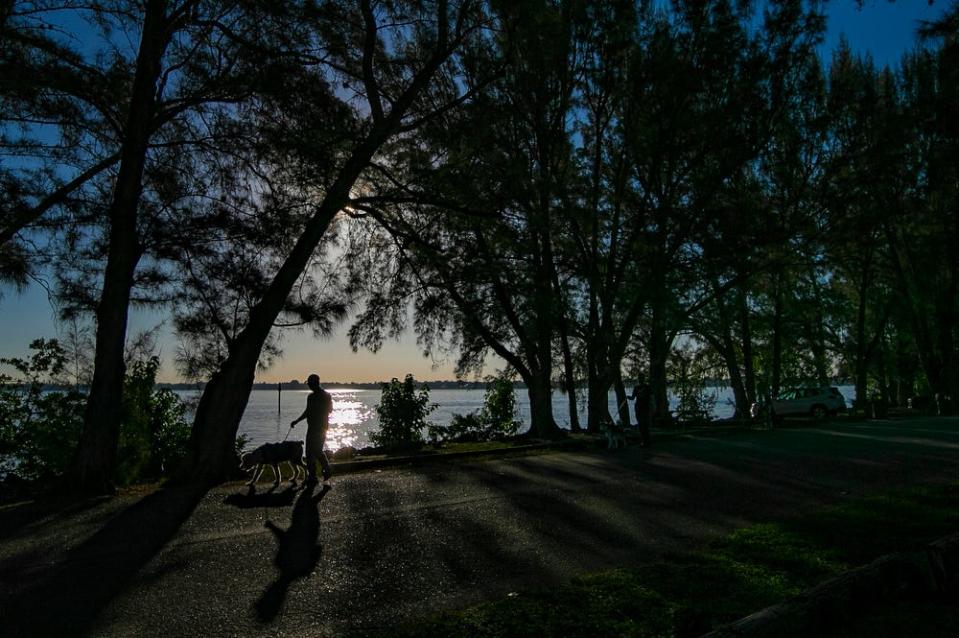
{"points": [[690, 370], [403, 414], [499, 406], [496, 419], [239, 446], [587, 181], [153, 432], [39, 429]]}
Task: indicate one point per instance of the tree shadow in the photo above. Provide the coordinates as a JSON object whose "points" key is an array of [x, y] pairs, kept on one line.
{"points": [[65, 597], [298, 553], [15, 517], [270, 498]]}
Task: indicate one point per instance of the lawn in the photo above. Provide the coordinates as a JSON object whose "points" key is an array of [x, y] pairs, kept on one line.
{"points": [[688, 594]]}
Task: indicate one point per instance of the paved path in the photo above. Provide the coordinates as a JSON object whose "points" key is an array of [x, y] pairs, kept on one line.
{"points": [[385, 547]]}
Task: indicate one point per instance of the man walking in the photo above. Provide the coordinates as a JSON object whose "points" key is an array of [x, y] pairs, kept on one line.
{"points": [[319, 405], [643, 396]]}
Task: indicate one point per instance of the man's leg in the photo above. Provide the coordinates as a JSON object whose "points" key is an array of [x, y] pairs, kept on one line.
{"points": [[325, 464], [643, 420], [312, 457]]}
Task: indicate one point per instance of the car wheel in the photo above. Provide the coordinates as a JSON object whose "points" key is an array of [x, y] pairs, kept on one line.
{"points": [[818, 412]]}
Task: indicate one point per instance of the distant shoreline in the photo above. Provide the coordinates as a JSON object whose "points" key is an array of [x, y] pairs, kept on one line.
{"points": [[377, 385]]}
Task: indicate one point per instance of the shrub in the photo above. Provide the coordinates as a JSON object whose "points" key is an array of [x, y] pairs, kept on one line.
{"points": [[403, 412], [690, 370], [494, 420], [153, 434], [499, 407], [462, 428], [39, 429]]}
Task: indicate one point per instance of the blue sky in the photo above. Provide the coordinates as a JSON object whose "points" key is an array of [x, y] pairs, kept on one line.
{"points": [[882, 29]]}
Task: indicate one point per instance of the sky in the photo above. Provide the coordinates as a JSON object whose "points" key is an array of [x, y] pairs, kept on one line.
{"points": [[885, 30]]}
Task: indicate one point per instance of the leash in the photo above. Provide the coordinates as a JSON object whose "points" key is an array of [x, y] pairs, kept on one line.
{"points": [[290, 429]]}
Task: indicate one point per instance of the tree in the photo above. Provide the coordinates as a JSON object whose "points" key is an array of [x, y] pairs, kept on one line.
{"points": [[389, 56], [128, 125], [474, 219]]}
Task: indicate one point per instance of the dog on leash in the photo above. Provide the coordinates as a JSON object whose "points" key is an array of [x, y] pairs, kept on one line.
{"points": [[274, 454], [615, 435]]}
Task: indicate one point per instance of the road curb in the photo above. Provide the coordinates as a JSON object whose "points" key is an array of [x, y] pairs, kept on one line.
{"points": [[349, 467], [562, 445]]}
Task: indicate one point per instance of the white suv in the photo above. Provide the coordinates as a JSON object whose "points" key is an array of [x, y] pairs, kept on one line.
{"points": [[816, 402]]}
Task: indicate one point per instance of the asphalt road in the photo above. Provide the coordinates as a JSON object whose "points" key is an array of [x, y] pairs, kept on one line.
{"points": [[386, 547]]}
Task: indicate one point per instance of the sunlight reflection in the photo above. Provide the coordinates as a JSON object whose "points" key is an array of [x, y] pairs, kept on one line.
{"points": [[349, 412]]}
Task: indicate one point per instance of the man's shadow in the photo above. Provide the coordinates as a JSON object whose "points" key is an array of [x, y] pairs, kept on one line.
{"points": [[298, 552]]}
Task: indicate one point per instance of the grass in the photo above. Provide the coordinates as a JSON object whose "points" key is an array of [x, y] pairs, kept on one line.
{"points": [[751, 568]]}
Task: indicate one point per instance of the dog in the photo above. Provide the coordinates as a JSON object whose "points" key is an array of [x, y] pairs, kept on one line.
{"points": [[273, 454], [615, 435]]}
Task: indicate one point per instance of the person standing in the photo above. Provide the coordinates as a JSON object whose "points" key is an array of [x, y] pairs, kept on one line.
{"points": [[643, 395], [319, 405]]}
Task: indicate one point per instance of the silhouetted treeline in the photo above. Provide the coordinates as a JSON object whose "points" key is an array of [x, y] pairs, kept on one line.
{"points": [[587, 190]]}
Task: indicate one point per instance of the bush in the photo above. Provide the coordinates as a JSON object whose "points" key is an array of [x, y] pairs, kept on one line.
{"points": [[690, 371], [403, 412], [463, 428], [153, 435], [499, 407], [39, 430], [495, 419]]}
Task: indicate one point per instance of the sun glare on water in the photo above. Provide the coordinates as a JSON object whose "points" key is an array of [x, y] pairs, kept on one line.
{"points": [[348, 413]]}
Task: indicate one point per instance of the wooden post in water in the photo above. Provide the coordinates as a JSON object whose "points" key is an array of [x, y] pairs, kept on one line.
{"points": [[279, 391]]}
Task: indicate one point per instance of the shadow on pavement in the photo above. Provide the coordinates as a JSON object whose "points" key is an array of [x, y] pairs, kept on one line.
{"points": [[298, 553], [65, 597], [269, 498], [20, 516]]}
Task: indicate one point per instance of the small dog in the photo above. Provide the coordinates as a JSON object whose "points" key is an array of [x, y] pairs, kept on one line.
{"points": [[273, 454], [615, 435]]}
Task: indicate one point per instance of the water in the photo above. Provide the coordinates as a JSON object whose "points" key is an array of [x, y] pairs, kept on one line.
{"points": [[354, 414]]}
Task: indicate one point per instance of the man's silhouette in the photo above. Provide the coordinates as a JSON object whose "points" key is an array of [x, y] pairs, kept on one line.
{"points": [[319, 405], [643, 395]]}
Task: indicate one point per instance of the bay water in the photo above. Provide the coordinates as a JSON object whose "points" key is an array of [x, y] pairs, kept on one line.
{"points": [[354, 412]]}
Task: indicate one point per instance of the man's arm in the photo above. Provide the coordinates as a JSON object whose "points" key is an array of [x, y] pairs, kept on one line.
{"points": [[301, 417]]}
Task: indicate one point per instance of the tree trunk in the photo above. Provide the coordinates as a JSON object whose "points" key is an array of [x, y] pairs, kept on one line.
{"points": [[569, 377], [746, 336], [727, 349], [569, 371], [819, 348], [775, 383], [597, 403], [597, 400], [592, 369], [540, 392], [211, 455], [906, 278], [658, 353], [735, 378], [96, 457]]}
